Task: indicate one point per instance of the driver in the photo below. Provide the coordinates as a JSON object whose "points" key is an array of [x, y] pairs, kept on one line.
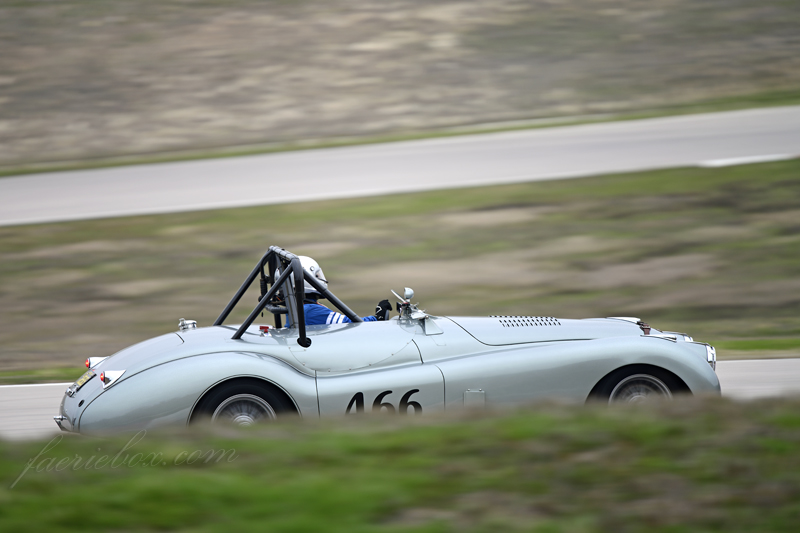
{"points": [[316, 313]]}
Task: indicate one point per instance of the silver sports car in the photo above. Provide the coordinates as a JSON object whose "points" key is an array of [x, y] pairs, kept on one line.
{"points": [[414, 363]]}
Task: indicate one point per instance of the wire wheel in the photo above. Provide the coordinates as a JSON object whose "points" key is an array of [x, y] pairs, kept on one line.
{"points": [[639, 388], [243, 410]]}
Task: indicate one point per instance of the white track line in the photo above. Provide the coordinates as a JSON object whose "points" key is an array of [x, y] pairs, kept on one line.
{"points": [[746, 160], [36, 385]]}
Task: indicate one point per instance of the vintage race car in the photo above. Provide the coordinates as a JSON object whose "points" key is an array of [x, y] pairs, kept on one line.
{"points": [[413, 363]]}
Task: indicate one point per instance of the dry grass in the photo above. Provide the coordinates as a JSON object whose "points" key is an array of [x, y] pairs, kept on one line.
{"points": [[713, 252], [82, 79]]}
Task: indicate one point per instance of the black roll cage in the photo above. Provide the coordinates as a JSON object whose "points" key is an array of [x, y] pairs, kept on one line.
{"points": [[282, 298]]}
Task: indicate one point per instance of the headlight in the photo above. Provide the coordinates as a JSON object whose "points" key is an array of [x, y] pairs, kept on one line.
{"points": [[711, 356]]}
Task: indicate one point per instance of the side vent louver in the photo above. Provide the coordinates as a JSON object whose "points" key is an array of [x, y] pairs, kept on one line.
{"points": [[524, 321]]}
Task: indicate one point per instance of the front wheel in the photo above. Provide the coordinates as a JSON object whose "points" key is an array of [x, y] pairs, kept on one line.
{"points": [[639, 388], [638, 385], [242, 403]]}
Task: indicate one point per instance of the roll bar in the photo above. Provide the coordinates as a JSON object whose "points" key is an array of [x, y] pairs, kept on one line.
{"points": [[285, 296]]}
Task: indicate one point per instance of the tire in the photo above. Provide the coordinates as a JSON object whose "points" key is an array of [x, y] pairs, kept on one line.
{"points": [[638, 384], [242, 402]]}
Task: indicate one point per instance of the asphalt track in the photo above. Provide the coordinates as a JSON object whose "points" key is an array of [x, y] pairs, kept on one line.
{"points": [[549, 153], [26, 411]]}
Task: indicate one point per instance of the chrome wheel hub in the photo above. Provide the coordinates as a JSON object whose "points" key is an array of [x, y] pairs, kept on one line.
{"points": [[639, 388], [243, 410]]}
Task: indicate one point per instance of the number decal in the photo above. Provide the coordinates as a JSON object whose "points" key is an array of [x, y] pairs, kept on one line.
{"points": [[379, 405], [405, 404], [358, 400]]}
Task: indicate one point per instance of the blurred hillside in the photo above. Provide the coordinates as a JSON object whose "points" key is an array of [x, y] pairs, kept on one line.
{"points": [[85, 79]]}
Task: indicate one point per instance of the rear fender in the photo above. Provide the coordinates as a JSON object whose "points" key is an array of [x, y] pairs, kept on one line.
{"points": [[164, 395]]}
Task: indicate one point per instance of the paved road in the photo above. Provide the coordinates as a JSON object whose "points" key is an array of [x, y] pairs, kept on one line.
{"points": [[529, 155], [26, 411]]}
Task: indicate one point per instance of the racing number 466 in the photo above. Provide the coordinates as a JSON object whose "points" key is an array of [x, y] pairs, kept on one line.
{"points": [[358, 401]]}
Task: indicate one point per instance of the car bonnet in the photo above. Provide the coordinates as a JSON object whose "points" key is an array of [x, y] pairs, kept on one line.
{"points": [[505, 330]]}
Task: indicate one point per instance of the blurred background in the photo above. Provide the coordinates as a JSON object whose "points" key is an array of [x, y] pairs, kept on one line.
{"points": [[84, 79], [713, 252]]}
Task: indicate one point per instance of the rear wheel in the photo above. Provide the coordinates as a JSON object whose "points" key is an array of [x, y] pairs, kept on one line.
{"points": [[242, 402], [638, 384]]}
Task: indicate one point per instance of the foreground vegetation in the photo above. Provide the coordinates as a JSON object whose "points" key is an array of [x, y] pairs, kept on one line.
{"points": [[713, 252], [691, 465]]}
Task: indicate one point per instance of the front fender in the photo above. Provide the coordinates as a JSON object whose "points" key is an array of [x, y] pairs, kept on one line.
{"points": [[687, 360], [164, 395], [570, 369]]}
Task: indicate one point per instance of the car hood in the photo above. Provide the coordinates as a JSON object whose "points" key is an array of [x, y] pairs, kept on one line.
{"points": [[504, 330]]}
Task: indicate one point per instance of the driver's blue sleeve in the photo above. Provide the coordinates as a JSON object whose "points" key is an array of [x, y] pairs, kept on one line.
{"points": [[319, 314]]}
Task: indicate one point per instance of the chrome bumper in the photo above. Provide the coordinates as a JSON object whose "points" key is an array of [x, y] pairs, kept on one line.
{"points": [[63, 421]]}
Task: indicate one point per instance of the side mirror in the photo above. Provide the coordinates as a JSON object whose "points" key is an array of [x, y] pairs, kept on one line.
{"points": [[408, 294]]}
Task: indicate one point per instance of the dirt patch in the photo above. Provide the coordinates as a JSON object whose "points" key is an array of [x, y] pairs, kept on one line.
{"points": [[501, 509], [722, 233], [437, 277], [574, 245], [130, 289], [656, 271], [77, 249], [532, 271], [494, 217], [761, 293], [323, 250]]}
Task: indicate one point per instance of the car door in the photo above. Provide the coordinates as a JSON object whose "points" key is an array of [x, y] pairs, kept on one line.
{"points": [[372, 367]]}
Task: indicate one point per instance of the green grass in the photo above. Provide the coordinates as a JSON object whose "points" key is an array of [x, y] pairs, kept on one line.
{"points": [[40, 375], [691, 465], [711, 252], [760, 344]]}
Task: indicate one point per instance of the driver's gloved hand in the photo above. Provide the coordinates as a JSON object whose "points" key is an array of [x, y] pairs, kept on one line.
{"points": [[383, 310]]}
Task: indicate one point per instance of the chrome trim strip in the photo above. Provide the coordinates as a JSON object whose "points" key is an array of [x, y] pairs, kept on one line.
{"points": [[632, 319], [671, 338]]}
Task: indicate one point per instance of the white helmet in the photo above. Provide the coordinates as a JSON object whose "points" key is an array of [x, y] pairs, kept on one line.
{"points": [[313, 268]]}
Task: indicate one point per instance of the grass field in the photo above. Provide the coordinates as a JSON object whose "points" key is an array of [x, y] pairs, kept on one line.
{"points": [[692, 465], [712, 252]]}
